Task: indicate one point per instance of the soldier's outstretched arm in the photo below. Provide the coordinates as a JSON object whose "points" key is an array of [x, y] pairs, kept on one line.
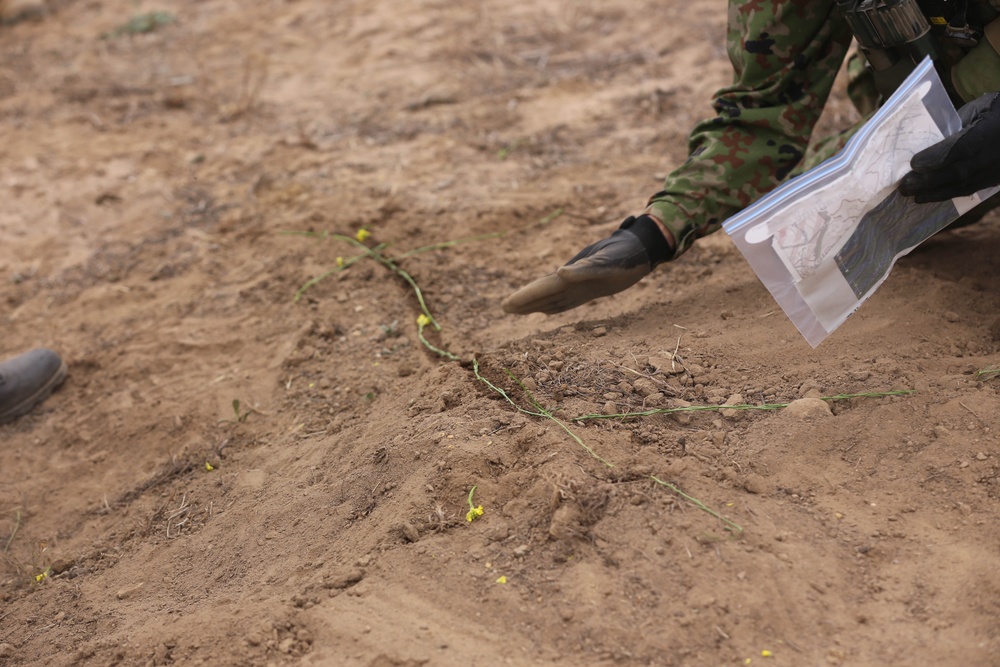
{"points": [[785, 55]]}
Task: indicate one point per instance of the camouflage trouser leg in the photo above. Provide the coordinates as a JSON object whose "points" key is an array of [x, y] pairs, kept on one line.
{"points": [[785, 56]]}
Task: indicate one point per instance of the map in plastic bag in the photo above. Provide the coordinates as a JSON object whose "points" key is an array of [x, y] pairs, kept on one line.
{"points": [[823, 242], [807, 236]]}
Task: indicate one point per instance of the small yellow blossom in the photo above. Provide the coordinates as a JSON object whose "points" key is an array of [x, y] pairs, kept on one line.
{"points": [[501, 580], [363, 235], [748, 661], [423, 320], [474, 512], [766, 654], [340, 262], [209, 467], [41, 577]]}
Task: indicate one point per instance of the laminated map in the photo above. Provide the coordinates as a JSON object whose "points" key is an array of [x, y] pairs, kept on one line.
{"points": [[823, 242]]}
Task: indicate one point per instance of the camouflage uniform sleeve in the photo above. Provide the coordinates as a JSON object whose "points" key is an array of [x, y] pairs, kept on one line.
{"points": [[786, 54]]}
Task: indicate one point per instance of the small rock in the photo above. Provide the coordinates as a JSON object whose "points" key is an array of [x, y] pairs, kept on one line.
{"points": [[683, 417], [566, 523], [940, 431], [345, 579], [6, 650], [735, 399], [645, 386], [521, 551], [364, 561], [981, 456], [695, 370], [496, 532], [409, 532], [254, 639], [129, 591], [285, 646], [755, 484], [665, 365], [808, 408], [610, 408], [60, 565], [807, 388], [951, 316], [304, 636], [599, 331]]}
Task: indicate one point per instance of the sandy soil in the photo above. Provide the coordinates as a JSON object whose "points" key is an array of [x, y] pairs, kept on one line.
{"points": [[146, 181]]}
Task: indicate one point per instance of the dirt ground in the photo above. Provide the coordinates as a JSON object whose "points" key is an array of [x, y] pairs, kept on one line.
{"points": [[147, 174]]}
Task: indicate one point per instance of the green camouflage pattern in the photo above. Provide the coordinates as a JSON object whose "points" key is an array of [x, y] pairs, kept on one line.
{"points": [[785, 55]]}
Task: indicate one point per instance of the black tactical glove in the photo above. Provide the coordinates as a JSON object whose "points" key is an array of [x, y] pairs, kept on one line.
{"points": [[962, 164], [601, 269]]}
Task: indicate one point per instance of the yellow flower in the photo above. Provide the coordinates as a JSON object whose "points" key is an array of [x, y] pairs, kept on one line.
{"points": [[340, 262], [766, 654], [209, 467], [41, 577], [474, 513], [501, 580], [363, 235], [423, 320]]}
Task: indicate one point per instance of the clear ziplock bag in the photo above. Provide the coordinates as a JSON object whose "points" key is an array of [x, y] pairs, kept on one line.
{"points": [[823, 242]]}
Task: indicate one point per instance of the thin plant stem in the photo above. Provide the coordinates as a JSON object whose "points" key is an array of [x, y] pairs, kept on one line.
{"points": [[413, 283], [541, 411], [450, 244], [551, 216], [765, 406], [323, 276], [444, 353], [475, 370], [697, 503], [17, 525]]}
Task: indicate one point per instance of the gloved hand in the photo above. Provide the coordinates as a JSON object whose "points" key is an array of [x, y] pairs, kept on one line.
{"points": [[962, 164], [601, 269]]}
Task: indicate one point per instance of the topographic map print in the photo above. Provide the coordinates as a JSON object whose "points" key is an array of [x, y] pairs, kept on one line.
{"points": [[808, 235]]}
